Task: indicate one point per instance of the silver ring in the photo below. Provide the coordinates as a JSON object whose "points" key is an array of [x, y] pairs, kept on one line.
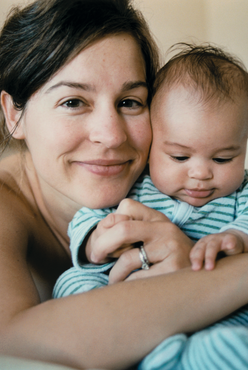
{"points": [[144, 259]]}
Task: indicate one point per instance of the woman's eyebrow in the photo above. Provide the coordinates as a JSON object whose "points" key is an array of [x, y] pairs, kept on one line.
{"points": [[74, 85], [130, 85]]}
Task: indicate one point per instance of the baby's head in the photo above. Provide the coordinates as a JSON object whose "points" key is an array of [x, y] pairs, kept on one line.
{"points": [[199, 117]]}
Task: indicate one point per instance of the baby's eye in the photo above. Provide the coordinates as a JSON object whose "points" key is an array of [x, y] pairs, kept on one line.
{"points": [[179, 158], [73, 103], [222, 160]]}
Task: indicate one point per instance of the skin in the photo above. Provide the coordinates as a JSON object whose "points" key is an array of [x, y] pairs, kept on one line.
{"points": [[85, 141], [197, 155], [198, 150], [83, 133], [168, 251], [41, 190]]}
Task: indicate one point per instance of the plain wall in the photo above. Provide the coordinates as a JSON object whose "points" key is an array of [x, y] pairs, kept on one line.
{"points": [[223, 22], [172, 21], [227, 25]]}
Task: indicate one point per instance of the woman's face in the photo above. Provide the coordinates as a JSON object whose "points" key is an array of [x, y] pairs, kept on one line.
{"points": [[88, 128]]}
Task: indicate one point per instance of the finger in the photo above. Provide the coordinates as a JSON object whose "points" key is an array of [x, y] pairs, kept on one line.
{"points": [[112, 219], [170, 264], [165, 258], [197, 255], [138, 211], [212, 249], [123, 248], [126, 232], [126, 264], [161, 260], [232, 244], [103, 226], [131, 261], [154, 270]]}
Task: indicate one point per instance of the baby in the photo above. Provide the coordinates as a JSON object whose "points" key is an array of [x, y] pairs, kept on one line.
{"points": [[199, 116]]}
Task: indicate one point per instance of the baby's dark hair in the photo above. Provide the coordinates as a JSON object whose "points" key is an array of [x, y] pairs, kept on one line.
{"points": [[206, 69]]}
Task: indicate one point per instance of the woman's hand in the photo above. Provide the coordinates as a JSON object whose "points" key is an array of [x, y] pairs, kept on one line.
{"points": [[102, 245], [166, 246]]}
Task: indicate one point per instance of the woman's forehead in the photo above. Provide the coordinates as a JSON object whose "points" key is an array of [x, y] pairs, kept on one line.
{"points": [[112, 56]]}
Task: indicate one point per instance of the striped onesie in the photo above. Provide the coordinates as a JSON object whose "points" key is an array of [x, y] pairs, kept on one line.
{"points": [[230, 212]]}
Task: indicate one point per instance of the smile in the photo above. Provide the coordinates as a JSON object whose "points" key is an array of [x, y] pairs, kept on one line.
{"points": [[104, 167], [196, 193]]}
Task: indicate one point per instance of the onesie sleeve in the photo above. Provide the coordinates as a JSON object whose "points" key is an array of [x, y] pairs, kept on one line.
{"points": [[82, 277], [241, 210], [82, 223]]}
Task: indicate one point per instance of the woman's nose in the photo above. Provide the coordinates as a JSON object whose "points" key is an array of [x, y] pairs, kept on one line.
{"points": [[200, 171], [108, 129]]}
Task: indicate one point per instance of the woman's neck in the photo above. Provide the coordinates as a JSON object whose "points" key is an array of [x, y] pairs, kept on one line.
{"points": [[56, 212]]}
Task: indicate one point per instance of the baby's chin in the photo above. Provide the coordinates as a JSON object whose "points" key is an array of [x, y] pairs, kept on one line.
{"points": [[199, 202], [195, 201], [196, 197]]}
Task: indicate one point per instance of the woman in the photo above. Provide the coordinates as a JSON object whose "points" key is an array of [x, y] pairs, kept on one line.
{"points": [[75, 82]]}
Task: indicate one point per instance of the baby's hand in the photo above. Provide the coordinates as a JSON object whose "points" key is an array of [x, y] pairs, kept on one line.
{"points": [[206, 249], [98, 249]]}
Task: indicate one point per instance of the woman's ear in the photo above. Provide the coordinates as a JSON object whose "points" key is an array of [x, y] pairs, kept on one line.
{"points": [[12, 116]]}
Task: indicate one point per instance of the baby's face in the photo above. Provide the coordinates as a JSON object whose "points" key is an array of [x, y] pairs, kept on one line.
{"points": [[198, 149]]}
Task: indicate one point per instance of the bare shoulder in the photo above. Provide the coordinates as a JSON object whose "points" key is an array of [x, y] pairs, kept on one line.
{"points": [[28, 248], [16, 288], [14, 204]]}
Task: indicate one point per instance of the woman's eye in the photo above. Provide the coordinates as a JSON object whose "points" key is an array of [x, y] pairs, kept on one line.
{"points": [[222, 160], [73, 103], [179, 158], [130, 104]]}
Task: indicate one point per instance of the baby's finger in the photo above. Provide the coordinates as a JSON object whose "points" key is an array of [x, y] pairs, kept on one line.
{"points": [[197, 255], [232, 244], [213, 248]]}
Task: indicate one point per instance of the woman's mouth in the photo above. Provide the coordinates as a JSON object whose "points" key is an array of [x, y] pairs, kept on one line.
{"points": [[105, 168]]}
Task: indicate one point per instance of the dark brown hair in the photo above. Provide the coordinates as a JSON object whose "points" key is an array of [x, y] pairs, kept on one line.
{"points": [[38, 40]]}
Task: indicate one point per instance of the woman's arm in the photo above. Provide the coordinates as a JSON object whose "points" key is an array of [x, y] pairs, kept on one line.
{"points": [[116, 326], [113, 327]]}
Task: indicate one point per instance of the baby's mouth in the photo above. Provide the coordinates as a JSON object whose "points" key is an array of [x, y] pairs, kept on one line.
{"points": [[199, 193]]}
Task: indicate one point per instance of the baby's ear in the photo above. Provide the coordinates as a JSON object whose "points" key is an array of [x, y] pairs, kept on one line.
{"points": [[12, 116]]}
